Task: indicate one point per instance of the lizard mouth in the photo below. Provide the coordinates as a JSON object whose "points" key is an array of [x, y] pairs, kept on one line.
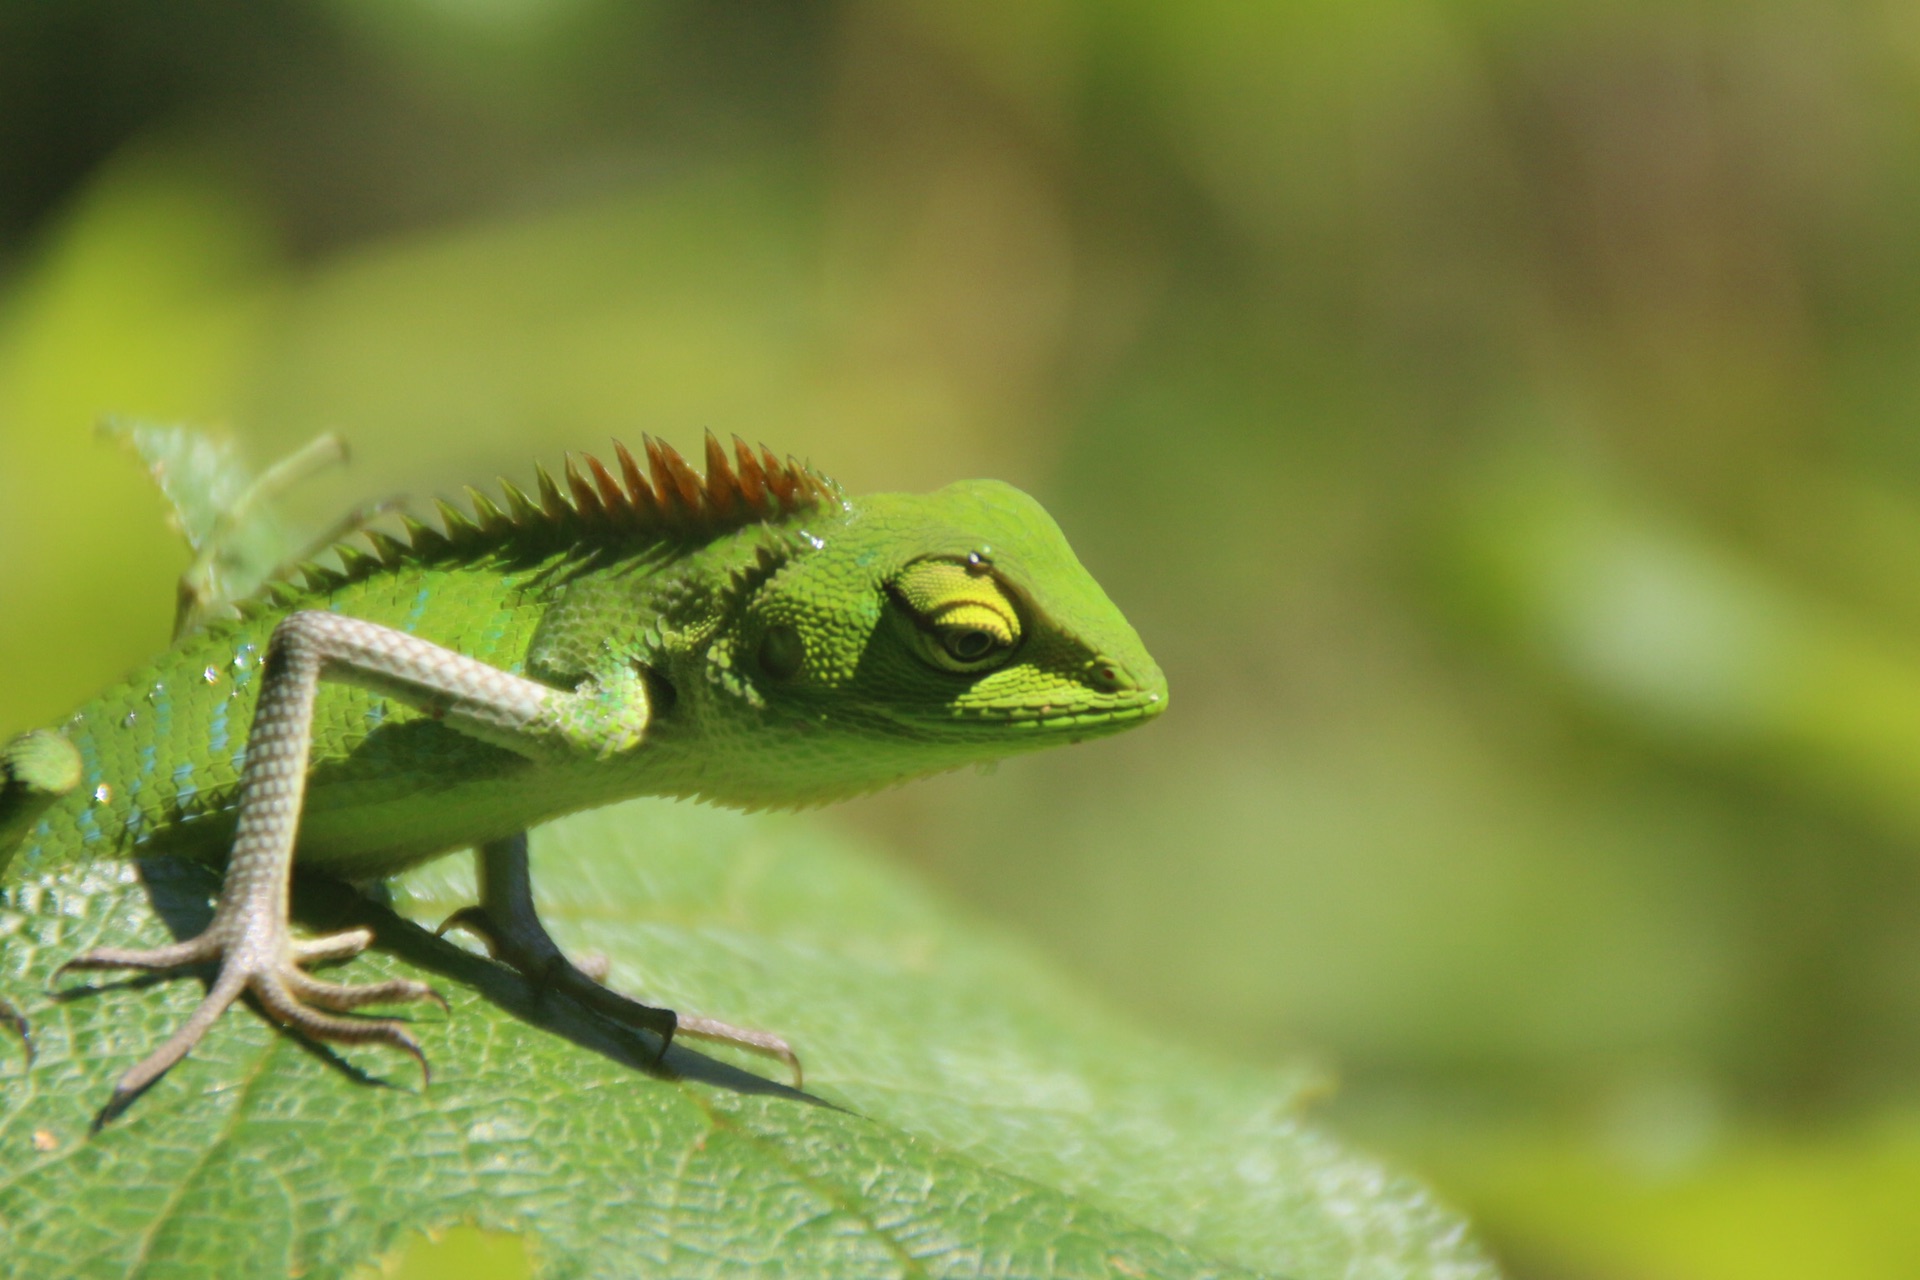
{"points": [[1107, 713]]}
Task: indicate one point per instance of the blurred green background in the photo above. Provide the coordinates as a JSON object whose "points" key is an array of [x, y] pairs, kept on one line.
{"points": [[1501, 419]]}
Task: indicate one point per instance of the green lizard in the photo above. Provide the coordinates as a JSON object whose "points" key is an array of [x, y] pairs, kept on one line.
{"points": [[752, 637]]}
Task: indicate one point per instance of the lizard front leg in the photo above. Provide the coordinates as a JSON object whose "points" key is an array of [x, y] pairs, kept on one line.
{"points": [[248, 935], [509, 923]]}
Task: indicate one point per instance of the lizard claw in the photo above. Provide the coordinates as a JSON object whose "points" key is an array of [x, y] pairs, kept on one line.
{"points": [[15, 1021]]}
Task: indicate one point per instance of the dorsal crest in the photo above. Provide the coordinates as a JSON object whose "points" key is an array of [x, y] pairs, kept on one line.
{"points": [[666, 501]]}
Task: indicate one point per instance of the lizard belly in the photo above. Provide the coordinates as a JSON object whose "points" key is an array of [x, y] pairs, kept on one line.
{"points": [[411, 792]]}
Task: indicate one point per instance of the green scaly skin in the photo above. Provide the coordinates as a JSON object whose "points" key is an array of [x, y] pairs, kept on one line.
{"points": [[794, 646]]}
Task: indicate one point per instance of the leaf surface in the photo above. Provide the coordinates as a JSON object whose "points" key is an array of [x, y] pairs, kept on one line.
{"points": [[968, 1112]]}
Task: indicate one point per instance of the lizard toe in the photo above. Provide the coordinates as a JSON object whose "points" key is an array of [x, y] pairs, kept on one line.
{"points": [[765, 1043], [272, 990], [198, 950], [341, 996], [332, 946]]}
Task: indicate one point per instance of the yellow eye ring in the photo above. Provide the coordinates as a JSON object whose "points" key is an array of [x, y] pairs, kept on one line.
{"points": [[962, 619]]}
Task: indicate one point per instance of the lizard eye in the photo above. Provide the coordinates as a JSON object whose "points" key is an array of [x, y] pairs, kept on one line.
{"points": [[963, 620], [969, 645]]}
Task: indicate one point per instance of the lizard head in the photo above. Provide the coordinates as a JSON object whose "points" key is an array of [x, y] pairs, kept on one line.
{"points": [[923, 632]]}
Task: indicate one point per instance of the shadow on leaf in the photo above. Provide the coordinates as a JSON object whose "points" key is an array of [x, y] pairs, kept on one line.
{"points": [[181, 894]]}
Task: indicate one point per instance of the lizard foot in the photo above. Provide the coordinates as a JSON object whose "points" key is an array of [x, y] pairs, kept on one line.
{"points": [[534, 954], [269, 969]]}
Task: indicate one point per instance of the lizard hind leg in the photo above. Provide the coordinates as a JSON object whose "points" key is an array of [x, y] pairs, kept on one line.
{"points": [[508, 922], [505, 919]]}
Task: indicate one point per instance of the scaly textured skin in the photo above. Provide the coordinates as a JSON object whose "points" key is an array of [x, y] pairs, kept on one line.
{"points": [[767, 641]]}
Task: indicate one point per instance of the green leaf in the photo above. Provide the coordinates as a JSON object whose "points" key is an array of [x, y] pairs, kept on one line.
{"points": [[971, 1113], [202, 476], [227, 514], [237, 539]]}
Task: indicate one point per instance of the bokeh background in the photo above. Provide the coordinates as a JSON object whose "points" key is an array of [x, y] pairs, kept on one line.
{"points": [[1502, 420]]}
